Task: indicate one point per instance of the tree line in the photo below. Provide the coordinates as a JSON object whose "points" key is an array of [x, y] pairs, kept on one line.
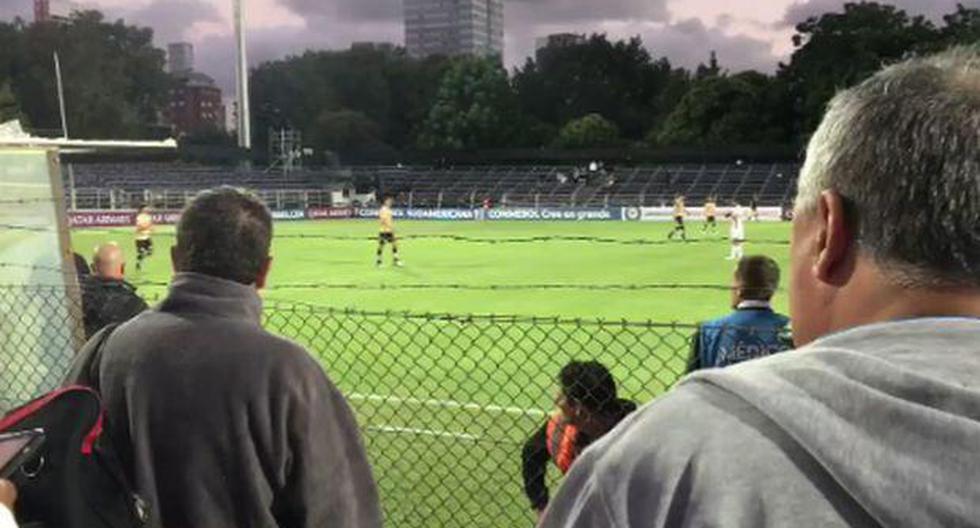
{"points": [[597, 94], [115, 83], [369, 103]]}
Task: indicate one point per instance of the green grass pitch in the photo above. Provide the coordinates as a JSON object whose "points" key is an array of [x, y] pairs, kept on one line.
{"points": [[446, 404], [311, 260]]}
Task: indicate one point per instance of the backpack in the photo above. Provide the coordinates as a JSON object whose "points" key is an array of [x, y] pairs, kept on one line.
{"points": [[74, 480]]}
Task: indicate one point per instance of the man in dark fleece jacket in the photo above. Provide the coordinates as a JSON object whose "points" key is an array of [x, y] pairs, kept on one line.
{"points": [[875, 420], [223, 424]]}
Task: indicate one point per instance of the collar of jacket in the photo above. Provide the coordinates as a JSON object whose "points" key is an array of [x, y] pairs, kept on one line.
{"points": [[115, 283], [207, 295], [754, 305]]}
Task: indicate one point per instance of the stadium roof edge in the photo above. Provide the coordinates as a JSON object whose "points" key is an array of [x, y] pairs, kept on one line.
{"points": [[83, 145]]}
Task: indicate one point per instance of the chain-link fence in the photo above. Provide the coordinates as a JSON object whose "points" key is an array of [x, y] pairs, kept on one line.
{"points": [[446, 403]]}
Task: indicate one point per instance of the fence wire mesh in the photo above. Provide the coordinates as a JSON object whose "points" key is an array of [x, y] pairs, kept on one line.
{"points": [[446, 403]]}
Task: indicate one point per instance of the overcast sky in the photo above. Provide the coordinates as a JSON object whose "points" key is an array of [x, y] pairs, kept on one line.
{"points": [[745, 33]]}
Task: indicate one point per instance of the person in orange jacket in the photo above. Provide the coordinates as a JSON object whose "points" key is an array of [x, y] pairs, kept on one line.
{"points": [[588, 408]]}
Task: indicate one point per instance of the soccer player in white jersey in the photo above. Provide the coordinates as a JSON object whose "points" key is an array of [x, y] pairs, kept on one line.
{"points": [[737, 232]]}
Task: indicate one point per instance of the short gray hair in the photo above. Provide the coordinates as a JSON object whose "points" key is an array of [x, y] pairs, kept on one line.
{"points": [[903, 150]]}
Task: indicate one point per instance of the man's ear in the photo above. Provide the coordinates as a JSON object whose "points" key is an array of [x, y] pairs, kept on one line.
{"points": [[262, 279], [835, 240]]}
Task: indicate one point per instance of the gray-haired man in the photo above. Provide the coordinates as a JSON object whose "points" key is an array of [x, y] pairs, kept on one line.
{"points": [[875, 421]]}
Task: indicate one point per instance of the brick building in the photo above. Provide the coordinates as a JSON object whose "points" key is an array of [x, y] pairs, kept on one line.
{"points": [[195, 104]]}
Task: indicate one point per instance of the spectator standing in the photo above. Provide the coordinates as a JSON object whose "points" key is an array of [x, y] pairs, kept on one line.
{"points": [[106, 296], [223, 424], [754, 330], [588, 408], [874, 421]]}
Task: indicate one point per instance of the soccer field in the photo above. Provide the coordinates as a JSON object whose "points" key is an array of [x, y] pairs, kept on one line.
{"points": [[447, 402], [310, 253]]}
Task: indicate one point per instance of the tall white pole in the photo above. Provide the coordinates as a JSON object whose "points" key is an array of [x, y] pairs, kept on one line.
{"points": [[61, 96], [241, 70]]}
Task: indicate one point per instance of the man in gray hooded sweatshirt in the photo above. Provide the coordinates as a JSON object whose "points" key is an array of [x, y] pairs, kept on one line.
{"points": [[875, 420], [220, 423]]}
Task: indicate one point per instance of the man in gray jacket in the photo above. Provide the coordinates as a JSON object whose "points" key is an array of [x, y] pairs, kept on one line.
{"points": [[223, 424], [875, 420]]}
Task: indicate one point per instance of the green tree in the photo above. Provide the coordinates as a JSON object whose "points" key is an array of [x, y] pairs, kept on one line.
{"points": [[346, 131], [9, 108], [725, 110], [210, 136], [115, 85], [618, 80], [961, 26], [591, 131], [392, 90], [475, 108], [837, 50]]}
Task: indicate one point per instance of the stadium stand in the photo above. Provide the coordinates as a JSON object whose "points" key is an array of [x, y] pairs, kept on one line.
{"points": [[515, 186]]}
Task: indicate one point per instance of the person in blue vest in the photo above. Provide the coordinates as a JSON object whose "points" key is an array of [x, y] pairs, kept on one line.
{"points": [[754, 330], [587, 408]]}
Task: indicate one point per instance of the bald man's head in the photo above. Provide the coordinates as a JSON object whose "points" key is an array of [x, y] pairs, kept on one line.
{"points": [[109, 262]]}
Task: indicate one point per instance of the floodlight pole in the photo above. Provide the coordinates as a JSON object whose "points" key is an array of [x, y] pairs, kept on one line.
{"points": [[241, 69], [61, 96]]}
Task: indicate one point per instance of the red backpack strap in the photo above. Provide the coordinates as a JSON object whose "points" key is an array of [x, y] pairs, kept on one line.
{"points": [[14, 417]]}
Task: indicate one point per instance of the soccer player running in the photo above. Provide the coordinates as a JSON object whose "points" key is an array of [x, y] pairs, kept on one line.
{"points": [[680, 212], [710, 215], [737, 232], [144, 236], [387, 235]]}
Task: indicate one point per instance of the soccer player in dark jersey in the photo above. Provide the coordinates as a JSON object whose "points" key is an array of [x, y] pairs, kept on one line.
{"points": [[387, 234], [144, 236], [680, 212], [710, 215]]}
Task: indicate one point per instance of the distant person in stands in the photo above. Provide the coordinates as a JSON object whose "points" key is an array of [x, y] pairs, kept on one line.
{"points": [[106, 296], [754, 330], [8, 497], [220, 423], [144, 236], [710, 215], [588, 407], [875, 420], [386, 217], [680, 213]]}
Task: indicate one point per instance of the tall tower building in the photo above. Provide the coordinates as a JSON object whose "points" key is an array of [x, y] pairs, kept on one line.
{"points": [[180, 57], [42, 11], [454, 27], [54, 10]]}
